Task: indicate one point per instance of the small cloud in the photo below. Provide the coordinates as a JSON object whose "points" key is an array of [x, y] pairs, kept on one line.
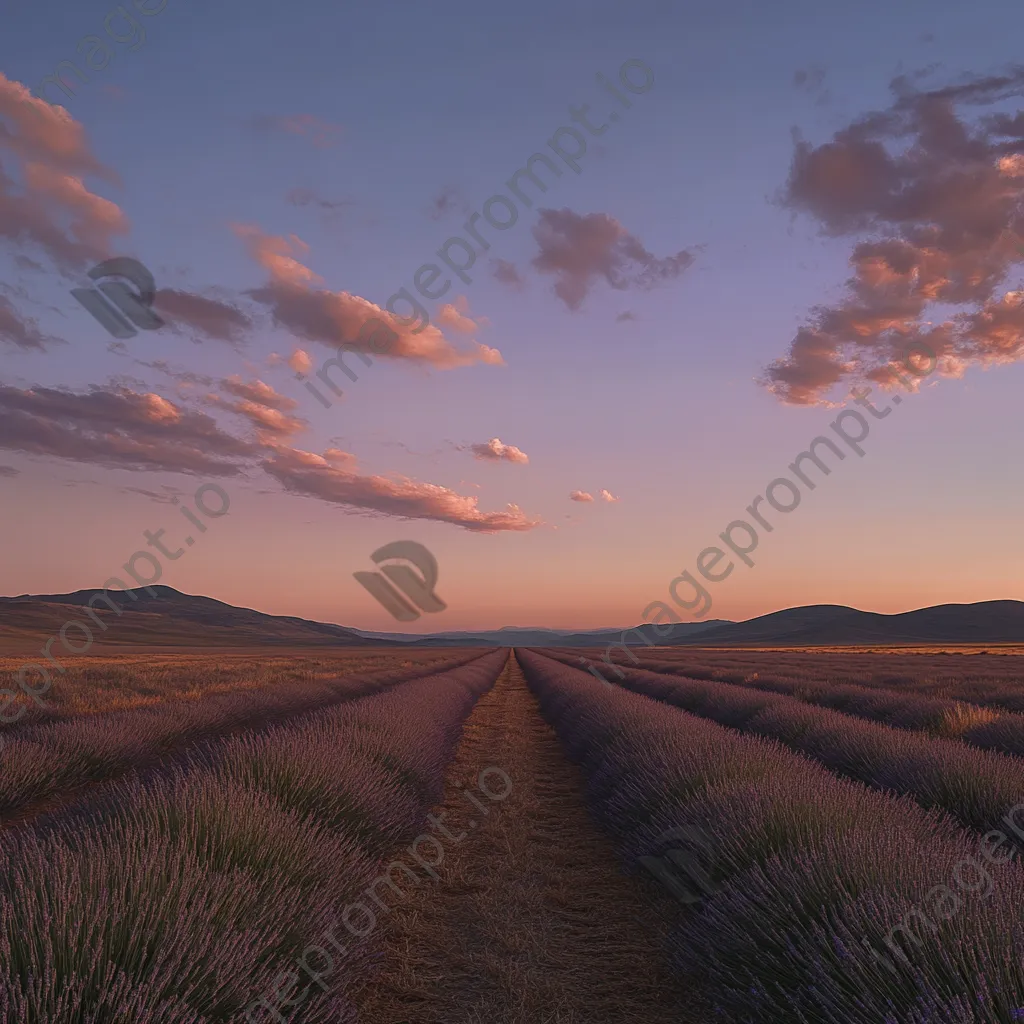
{"points": [[9, 471], [307, 197], [300, 361], [627, 315], [266, 409], [607, 496], [580, 248], [456, 316], [495, 451], [22, 331], [506, 273], [322, 134], [809, 79], [449, 199], [210, 317], [581, 496], [166, 497]]}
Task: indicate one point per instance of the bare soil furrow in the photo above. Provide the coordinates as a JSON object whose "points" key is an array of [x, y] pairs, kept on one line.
{"points": [[531, 920]]}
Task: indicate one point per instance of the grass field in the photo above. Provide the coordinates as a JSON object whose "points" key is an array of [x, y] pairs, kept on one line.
{"points": [[470, 836]]}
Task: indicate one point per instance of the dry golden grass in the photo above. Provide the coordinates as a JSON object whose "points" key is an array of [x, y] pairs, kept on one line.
{"points": [[963, 717]]}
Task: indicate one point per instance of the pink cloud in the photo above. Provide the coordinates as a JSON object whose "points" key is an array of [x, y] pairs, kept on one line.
{"points": [[507, 273], [211, 317], [336, 319], [607, 496], [939, 198], [335, 480], [456, 316], [53, 210], [578, 248], [495, 451], [22, 331], [117, 427], [581, 496], [300, 361]]}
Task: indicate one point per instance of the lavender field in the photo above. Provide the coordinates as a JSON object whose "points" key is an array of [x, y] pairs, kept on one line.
{"points": [[471, 835], [839, 870], [750, 846], [165, 864]]}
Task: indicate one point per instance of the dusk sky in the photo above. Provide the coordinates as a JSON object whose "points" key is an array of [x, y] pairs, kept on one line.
{"points": [[802, 190]]}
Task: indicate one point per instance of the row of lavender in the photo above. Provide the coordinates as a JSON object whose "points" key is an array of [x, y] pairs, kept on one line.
{"points": [[42, 761], [179, 898], [978, 726], [975, 786], [816, 915], [1001, 685]]}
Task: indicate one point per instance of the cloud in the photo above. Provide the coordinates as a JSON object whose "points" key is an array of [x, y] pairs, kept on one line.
{"points": [[626, 316], [265, 409], [578, 248], [607, 496], [22, 331], [335, 319], [9, 471], [307, 197], [495, 451], [52, 210], [456, 316], [336, 480], [165, 497], [210, 317], [506, 273], [185, 377], [581, 496], [300, 361], [323, 134], [811, 80], [117, 427], [450, 198], [939, 196]]}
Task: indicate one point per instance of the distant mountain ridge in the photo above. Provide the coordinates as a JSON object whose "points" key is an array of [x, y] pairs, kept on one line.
{"points": [[173, 619], [170, 618], [819, 625]]}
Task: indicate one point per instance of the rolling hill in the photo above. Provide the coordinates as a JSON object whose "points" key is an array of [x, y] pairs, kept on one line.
{"points": [[837, 625]]}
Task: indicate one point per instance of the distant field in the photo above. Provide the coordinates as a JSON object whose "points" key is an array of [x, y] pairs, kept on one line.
{"points": [[102, 682]]}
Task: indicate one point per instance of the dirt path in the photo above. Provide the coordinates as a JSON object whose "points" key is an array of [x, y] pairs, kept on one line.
{"points": [[530, 920]]}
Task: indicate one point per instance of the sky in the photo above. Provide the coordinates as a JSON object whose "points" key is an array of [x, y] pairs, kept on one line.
{"points": [[748, 211]]}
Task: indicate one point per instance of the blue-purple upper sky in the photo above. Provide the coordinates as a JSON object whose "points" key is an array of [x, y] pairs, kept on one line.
{"points": [[671, 325]]}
